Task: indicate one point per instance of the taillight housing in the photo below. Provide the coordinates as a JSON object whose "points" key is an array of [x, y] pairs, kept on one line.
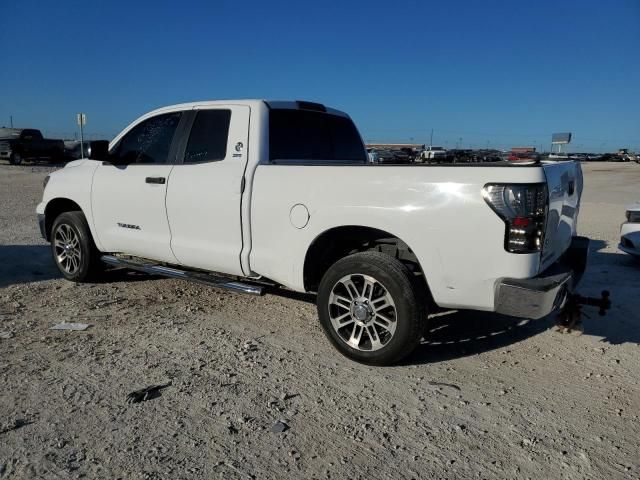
{"points": [[523, 207]]}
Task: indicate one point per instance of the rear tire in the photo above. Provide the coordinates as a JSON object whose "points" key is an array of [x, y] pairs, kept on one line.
{"points": [[73, 249], [370, 308]]}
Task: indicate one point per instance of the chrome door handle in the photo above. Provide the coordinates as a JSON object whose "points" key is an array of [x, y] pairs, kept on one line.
{"points": [[157, 180]]}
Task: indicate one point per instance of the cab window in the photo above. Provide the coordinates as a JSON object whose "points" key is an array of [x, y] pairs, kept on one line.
{"points": [[148, 142], [208, 137]]}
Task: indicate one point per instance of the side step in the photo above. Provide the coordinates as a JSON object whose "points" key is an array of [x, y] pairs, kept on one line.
{"points": [[204, 278]]}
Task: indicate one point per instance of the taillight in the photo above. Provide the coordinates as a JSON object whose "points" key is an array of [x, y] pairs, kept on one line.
{"points": [[523, 207]]}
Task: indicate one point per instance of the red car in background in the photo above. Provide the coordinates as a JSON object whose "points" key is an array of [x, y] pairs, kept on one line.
{"points": [[523, 156]]}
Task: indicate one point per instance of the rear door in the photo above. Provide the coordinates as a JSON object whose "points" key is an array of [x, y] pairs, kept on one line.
{"points": [[205, 190], [128, 195], [564, 182]]}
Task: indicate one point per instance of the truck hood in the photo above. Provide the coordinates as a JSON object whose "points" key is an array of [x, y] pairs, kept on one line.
{"points": [[75, 163]]}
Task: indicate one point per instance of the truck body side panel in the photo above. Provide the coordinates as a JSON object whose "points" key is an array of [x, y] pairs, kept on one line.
{"points": [[457, 238]]}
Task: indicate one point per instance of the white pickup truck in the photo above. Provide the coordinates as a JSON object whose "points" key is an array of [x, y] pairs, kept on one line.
{"points": [[435, 154], [250, 194]]}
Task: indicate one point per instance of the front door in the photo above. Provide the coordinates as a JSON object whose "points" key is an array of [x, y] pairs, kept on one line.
{"points": [[128, 194], [205, 191]]}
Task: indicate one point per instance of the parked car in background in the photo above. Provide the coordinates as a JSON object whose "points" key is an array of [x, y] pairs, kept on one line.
{"points": [[18, 144], [393, 157], [630, 231], [372, 153], [433, 154], [526, 157]]}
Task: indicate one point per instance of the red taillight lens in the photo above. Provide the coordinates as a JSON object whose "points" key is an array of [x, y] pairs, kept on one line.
{"points": [[521, 221]]}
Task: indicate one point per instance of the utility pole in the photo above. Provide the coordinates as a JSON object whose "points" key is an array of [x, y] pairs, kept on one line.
{"points": [[431, 139], [11, 120], [82, 120]]}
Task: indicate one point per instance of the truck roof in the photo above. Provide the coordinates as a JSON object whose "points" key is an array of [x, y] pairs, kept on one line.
{"points": [[253, 103]]}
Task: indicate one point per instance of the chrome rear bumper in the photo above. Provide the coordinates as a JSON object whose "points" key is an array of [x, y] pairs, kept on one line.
{"points": [[539, 296]]}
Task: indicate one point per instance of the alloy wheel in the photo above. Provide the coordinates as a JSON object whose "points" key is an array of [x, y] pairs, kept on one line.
{"points": [[67, 248], [362, 312]]}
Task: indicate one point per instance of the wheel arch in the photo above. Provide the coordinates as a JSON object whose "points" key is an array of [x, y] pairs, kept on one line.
{"points": [[338, 242], [54, 208]]}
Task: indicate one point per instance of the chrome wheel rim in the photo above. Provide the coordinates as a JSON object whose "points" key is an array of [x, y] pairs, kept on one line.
{"points": [[67, 247], [362, 312]]}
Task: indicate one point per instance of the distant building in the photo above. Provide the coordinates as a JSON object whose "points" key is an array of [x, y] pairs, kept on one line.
{"points": [[523, 149]]}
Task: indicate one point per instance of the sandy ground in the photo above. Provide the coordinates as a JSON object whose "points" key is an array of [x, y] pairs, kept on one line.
{"points": [[484, 396]]}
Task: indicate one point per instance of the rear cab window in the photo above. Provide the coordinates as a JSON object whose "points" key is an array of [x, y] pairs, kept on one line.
{"points": [[313, 137], [29, 134]]}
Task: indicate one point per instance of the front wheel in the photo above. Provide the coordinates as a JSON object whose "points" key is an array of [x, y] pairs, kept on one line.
{"points": [[15, 158], [370, 308], [74, 252]]}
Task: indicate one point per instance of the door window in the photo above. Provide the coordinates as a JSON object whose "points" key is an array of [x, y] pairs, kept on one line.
{"points": [[149, 141], [208, 137]]}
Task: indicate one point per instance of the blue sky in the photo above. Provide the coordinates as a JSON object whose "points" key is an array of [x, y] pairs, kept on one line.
{"points": [[497, 73]]}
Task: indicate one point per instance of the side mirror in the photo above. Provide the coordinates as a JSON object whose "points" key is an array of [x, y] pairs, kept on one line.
{"points": [[99, 150]]}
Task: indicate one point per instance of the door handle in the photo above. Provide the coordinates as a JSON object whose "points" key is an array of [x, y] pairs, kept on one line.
{"points": [[158, 180]]}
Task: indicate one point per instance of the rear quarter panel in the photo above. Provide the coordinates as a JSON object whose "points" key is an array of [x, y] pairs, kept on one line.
{"points": [[438, 211]]}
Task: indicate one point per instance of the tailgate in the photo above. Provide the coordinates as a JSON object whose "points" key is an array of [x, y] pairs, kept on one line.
{"points": [[564, 182]]}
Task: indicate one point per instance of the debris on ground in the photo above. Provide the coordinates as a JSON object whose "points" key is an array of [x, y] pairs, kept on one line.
{"points": [[17, 424], [71, 326], [147, 393], [279, 427]]}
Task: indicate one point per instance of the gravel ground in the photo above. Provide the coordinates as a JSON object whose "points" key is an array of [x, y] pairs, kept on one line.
{"points": [[484, 396]]}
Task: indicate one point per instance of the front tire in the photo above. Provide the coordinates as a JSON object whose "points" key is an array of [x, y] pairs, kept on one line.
{"points": [[73, 249], [370, 308], [15, 158]]}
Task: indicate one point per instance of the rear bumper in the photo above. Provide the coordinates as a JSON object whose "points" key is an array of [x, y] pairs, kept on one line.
{"points": [[539, 296]]}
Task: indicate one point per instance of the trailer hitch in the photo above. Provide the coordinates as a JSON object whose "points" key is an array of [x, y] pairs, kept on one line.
{"points": [[570, 316]]}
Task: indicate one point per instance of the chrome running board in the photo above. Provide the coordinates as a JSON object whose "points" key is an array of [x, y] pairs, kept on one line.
{"points": [[172, 272]]}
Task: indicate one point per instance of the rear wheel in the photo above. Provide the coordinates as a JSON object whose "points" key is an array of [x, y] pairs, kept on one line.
{"points": [[74, 252], [370, 309]]}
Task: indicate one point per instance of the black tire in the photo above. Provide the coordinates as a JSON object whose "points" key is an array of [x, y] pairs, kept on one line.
{"points": [[15, 158], [409, 308], [87, 263]]}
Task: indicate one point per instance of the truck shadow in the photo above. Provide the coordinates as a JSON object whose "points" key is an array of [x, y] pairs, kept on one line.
{"points": [[33, 263], [460, 333], [455, 334], [618, 273], [25, 264]]}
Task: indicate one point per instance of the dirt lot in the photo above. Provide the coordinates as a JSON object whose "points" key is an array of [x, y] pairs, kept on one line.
{"points": [[485, 396]]}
